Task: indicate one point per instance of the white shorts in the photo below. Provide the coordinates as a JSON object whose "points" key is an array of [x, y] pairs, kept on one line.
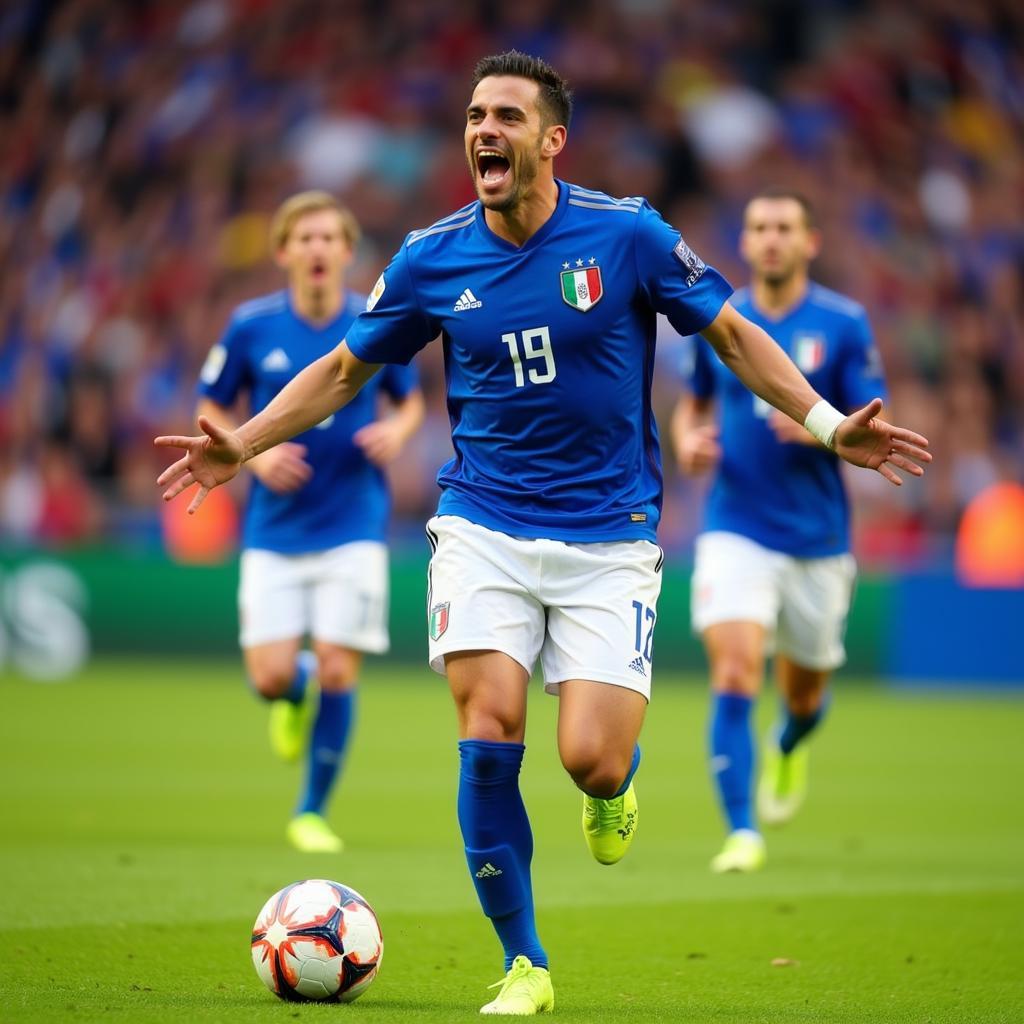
{"points": [[801, 602], [587, 610], [339, 596]]}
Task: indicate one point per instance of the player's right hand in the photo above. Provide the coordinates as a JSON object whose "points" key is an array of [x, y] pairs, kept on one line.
{"points": [[283, 468], [698, 450], [211, 459]]}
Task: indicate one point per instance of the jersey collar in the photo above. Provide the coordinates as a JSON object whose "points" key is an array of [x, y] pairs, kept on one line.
{"points": [[537, 237]]}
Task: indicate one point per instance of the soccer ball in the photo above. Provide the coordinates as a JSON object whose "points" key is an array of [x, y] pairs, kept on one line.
{"points": [[317, 941]]}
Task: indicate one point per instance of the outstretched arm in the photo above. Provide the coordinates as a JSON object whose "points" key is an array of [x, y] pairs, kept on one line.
{"points": [[215, 456], [860, 438]]}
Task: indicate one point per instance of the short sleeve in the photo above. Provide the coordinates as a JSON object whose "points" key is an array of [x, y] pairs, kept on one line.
{"points": [[695, 369], [393, 327], [397, 381], [676, 280], [226, 370], [862, 375]]}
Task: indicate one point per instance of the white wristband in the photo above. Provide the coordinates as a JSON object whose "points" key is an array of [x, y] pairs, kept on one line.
{"points": [[822, 421]]}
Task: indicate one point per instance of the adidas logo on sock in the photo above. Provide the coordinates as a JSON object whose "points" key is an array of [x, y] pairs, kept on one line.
{"points": [[467, 300], [489, 871], [637, 665]]}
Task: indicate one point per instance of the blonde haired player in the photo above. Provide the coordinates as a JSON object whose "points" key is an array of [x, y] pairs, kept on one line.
{"points": [[314, 563]]}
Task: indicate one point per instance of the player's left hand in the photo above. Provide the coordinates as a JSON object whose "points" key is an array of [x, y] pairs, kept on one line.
{"points": [[381, 441], [865, 440]]}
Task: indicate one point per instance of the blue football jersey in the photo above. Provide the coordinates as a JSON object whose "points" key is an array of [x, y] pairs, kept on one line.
{"points": [[266, 344], [787, 497], [549, 355]]}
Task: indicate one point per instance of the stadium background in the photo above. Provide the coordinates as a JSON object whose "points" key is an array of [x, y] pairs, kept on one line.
{"points": [[146, 144], [143, 146]]}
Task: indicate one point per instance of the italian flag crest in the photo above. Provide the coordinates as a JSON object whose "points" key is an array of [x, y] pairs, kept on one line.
{"points": [[582, 288], [809, 352], [439, 620]]}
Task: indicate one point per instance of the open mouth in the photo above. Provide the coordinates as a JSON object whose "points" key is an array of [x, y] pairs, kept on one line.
{"points": [[492, 167], [318, 271]]}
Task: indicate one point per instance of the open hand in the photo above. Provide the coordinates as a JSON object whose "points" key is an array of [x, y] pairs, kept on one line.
{"points": [[211, 459], [864, 440]]}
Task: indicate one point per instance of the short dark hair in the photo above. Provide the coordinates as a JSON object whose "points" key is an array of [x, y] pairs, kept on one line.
{"points": [[554, 96], [781, 192]]}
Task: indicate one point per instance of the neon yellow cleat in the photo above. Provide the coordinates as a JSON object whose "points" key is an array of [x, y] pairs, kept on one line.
{"points": [[310, 833], [783, 784], [610, 825], [525, 991], [743, 851]]}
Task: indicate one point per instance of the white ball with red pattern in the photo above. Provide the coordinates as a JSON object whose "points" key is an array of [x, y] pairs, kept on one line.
{"points": [[317, 940]]}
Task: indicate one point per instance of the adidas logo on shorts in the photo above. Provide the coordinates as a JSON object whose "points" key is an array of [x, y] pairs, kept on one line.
{"points": [[637, 665], [489, 871]]}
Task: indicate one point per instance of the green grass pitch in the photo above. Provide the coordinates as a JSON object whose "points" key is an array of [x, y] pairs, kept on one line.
{"points": [[141, 818]]}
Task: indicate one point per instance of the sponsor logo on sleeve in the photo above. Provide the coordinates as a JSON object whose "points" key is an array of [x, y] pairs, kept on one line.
{"points": [[214, 364], [374, 297], [691, 262]]}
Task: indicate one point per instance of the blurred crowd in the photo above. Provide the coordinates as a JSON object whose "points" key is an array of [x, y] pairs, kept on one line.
{"points": [[147, 142]]}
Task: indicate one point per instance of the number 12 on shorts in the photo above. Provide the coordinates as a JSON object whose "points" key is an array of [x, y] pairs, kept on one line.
{"points": [[645, 618]]}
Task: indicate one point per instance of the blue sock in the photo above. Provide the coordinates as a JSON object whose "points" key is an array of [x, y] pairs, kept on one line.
{"points": [[632, 771], [732, 756], [796, 727], [327, 747], [499, 843]]}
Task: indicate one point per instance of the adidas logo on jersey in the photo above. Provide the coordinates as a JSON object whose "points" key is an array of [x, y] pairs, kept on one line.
{"points": [[467, 300], [637, 665], [276, 360], [489, 871]]}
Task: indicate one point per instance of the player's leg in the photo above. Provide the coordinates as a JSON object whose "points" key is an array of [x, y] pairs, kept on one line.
{"points": [[273, 616], [598, 728], [735, 653], [783, 785], [485, 630], [348, 611], [337, 672], [489, 689], [597, 656], [734, 606], [816, 597]]}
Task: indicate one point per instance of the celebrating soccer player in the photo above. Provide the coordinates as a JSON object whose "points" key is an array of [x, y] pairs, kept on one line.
{"points": [[314, 561], [773, 570], [545, 296]]}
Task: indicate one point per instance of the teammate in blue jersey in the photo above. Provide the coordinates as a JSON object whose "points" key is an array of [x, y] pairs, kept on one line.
{"points": [[314, 561], [544, 295], [773, 572]]}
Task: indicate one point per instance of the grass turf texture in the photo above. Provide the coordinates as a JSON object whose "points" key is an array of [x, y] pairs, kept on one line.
{"points": [[142, 820]]}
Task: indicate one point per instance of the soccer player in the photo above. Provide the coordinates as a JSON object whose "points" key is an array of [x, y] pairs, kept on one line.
{"points": [[773, 569], [545, 295], [314, 561]]}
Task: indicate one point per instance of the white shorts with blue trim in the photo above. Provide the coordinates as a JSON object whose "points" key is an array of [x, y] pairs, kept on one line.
{"points": [[801, 602], [586, 611], [339, 596]]}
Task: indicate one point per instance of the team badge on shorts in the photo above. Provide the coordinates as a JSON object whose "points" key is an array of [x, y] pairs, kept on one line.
{"points": [[582, 287], [439, 620]]}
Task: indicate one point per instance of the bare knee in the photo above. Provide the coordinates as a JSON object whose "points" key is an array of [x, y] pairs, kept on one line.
{"points": [[271, 677], [737, 672], [337, 667], [595, 769], [482, 719]]}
